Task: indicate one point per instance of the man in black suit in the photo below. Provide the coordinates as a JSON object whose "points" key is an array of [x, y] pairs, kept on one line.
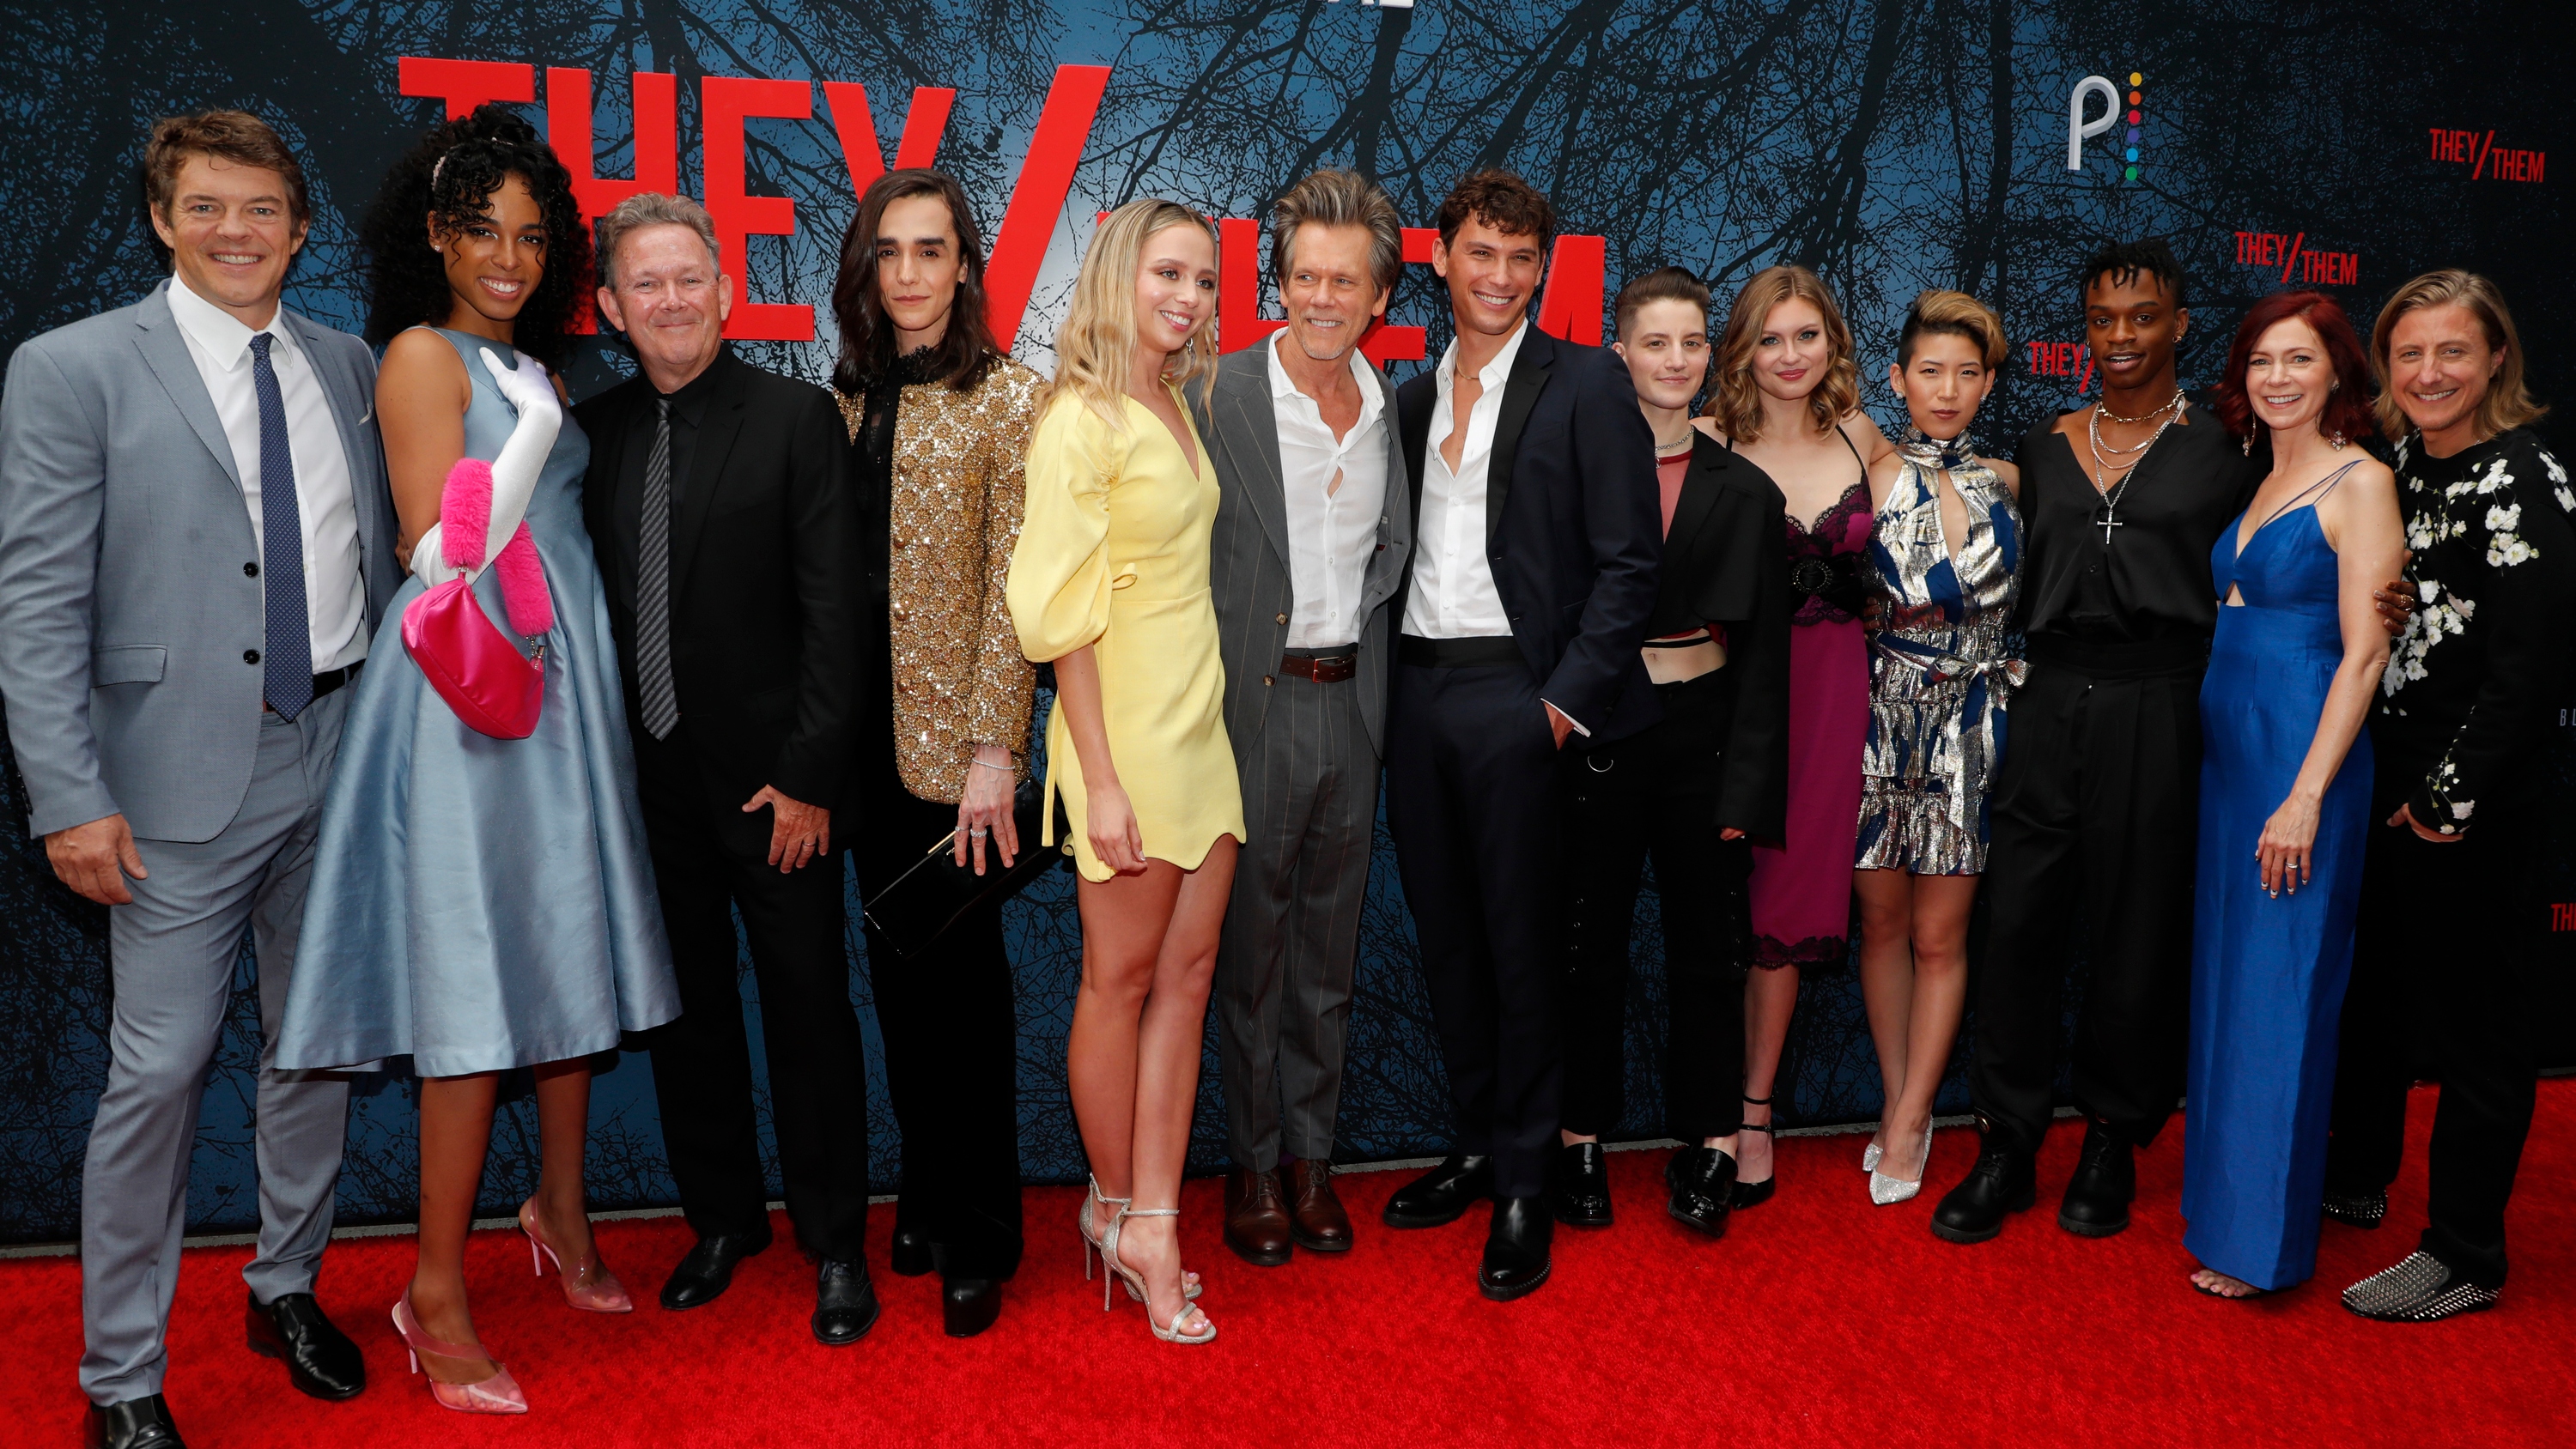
{"points": [[1536, 536], [718, 500]]}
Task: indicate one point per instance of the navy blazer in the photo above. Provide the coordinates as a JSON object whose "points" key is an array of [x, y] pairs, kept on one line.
{"points": [[1573, 527]]}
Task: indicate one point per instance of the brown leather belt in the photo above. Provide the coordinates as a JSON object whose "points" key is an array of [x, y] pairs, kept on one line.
{"points": [[1323, 669]]}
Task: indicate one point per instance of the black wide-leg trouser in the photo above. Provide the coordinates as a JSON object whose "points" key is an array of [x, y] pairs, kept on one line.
{"points": [[2440, 955], [1471, 793], [1656, 794], [2095, 837]]}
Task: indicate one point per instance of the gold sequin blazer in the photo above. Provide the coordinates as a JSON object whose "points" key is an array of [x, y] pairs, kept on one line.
{"points": [[960, 484]]}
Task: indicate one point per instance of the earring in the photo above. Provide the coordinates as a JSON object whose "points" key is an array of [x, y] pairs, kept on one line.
{"points": [[2249, 445], [2338, 439]]}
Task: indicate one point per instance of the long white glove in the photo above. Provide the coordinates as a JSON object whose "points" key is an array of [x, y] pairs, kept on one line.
{"points": [[514, 473]]}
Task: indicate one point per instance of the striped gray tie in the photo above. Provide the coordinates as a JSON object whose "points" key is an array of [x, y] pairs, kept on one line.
{"points": [[653, 687]]}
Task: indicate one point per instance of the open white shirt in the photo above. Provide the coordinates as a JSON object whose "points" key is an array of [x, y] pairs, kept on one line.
{"points": [[335, 595], [1453, 594], [1336, 493]]}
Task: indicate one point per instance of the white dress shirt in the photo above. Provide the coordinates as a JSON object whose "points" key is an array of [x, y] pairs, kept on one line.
{"points": [[335, 596], [1453, 594], [1336, 493]]}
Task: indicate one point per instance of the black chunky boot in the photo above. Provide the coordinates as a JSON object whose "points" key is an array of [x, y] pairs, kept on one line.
{"points": [[2097, 1198], [2003, 1181]]}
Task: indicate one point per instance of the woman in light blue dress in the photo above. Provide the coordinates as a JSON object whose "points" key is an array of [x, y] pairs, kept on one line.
{"points": [[483, 903], [2284, 796]]}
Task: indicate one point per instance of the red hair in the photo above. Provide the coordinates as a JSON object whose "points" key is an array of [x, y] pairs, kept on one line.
{"points": [[2347, 413]]}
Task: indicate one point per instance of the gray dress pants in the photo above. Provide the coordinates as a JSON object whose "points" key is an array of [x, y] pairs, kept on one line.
{"points": [[1292, 927], [170, 955]]}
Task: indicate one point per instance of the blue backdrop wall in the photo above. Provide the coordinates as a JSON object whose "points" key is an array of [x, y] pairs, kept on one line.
{"points": [[1893, 144]]}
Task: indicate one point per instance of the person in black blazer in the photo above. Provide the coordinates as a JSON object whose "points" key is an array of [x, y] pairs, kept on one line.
{"points": [[719, 501], [1693, 789], [1535, 546]]}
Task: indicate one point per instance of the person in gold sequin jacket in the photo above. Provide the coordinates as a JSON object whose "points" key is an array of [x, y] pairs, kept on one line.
{"points": [[939, 426]]}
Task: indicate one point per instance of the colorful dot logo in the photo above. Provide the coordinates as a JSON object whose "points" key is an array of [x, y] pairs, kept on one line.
{"points": [[2136, 100]]}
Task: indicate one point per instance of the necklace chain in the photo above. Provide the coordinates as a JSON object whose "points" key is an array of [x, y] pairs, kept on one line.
{"points": [[2170, 404], [2110, 493]]}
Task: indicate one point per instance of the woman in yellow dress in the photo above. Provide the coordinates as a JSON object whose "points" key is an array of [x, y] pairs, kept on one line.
{"points": [[1110, 582]]}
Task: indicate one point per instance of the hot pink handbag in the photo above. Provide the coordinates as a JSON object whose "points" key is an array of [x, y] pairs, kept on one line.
{"points": [[494, 689]]}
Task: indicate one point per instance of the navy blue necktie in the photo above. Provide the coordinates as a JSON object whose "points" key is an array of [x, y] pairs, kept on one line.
{"points": [[289, 678]]}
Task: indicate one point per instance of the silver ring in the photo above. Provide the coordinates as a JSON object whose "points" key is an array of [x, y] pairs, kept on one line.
{"points": [[979, 832]]}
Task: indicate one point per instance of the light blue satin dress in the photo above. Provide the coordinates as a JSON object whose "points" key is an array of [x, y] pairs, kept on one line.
{"points": [[479, 903], [2268, 972]]}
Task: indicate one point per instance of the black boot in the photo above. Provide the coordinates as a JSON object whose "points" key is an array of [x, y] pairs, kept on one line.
{"points": [[1516, 1259], [912, 1256], [968, 1306], [2097, 1198], [1578, 1186], [1443, 1194], [2003, 1181], [1703, 1184]]}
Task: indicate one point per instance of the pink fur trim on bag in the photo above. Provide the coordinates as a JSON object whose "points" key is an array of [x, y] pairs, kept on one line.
{"points": [[523, 585], [465, 513]]}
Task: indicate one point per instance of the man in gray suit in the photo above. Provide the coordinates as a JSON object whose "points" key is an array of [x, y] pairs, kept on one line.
{"points": [[1311, 539], [196, 543]]}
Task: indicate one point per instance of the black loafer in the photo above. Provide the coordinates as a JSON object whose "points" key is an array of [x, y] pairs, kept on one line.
{"points": [[1443, 1194], [134, 1424], [1703, 1184], [2003, 1181], [845, 1303], [912, 1256], [2363, 1210], [1516, 1260], [968, 1306], [1578, 1186], [707, 1269], [2097, 1198], [320, 1359]]}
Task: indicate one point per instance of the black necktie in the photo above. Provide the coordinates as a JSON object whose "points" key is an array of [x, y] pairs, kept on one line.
{"points": [[660, 701], [287, 681]]}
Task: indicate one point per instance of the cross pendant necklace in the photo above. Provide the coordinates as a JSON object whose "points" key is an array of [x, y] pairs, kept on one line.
{"points": [[2105, 519]]}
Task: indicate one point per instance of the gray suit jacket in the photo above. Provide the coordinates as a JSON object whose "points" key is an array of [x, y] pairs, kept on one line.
{"points": [[128, 615], [1248, 566]]}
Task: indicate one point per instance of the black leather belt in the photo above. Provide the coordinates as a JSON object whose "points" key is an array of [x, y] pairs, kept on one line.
{"points": [[332, 679], [1330, 668], [1491, 649]]}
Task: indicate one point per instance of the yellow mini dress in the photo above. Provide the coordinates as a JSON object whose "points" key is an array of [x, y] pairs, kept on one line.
{"points": [[1113, 553]]}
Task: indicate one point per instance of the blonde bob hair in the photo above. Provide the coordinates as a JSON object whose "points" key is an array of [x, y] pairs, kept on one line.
{"points": [[2508, 403], [1098, 339], [1736, 403]]}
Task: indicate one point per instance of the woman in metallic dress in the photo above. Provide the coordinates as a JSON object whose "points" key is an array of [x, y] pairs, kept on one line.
{"points": [[1946, 546]]}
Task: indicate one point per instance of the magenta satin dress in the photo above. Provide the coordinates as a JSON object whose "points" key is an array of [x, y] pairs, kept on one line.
{"points": [[1802, 887]]}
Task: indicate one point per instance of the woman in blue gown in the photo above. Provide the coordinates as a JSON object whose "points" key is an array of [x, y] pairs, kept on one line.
{"points": [[2284, 795], [483, 903]]}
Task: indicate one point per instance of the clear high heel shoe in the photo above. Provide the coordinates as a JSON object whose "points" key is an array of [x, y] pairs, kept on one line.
{"points": [[1135, 1282], [587, 1285], [1888, 1191], [1083, 1222], [498, 1394]]}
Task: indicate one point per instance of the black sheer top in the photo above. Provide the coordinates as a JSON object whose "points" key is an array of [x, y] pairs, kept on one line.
{"points": [[2151, 583], [872, 450]]}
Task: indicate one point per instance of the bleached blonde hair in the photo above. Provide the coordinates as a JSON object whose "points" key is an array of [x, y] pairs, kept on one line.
{"points": [[1098, 338]]}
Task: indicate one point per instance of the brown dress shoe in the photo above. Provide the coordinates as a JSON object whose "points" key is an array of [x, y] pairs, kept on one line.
{"points": [[1256, 1218], [1315, 1216]]}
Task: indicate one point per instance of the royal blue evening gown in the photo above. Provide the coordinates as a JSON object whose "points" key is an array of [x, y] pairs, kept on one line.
{"points": [[2268, 973]]}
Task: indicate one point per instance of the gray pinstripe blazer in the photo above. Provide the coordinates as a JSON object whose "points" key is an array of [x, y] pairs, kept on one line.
{"points": [[1248, 565]]}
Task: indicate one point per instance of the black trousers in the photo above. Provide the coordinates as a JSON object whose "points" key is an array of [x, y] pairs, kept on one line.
{"points": [[2439, 955], [711, 859], [1471, 791], [1656, 793], [951, 1048], [2095, 818]]}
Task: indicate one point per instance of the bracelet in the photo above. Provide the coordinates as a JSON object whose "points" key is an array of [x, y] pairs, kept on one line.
{"points": [[989, 765]]}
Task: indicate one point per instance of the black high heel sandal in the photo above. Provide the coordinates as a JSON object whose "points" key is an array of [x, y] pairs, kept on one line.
{"points": [[1754, 1194]]}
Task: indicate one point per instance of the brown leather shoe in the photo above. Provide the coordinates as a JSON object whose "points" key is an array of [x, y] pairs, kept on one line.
{"points": [[1315, 1216], [1256, 1218]]}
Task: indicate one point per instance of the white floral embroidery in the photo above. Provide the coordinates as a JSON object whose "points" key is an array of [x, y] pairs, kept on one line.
{"points": [[2504, 516], [2504, 551], [2556, 473]]}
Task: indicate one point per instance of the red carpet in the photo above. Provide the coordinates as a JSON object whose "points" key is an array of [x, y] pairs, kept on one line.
{"points": [[1819, 1319]]}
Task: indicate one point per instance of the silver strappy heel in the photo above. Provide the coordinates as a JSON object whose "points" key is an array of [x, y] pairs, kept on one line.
{"points": [[1083, 1218], [1135, 1282]]}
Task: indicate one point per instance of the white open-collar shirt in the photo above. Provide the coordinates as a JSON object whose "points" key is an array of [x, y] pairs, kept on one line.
{"points": [[1335, 493], [1453, 595], [335, 595]]}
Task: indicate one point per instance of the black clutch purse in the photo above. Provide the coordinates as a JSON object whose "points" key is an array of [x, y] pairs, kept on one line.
{"points": [[908, 914]]}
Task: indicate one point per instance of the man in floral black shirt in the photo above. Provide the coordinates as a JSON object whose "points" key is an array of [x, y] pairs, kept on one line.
{"points": [[2447, 915]]}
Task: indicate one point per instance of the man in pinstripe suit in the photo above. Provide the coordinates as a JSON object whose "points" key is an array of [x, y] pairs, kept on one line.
{"points": [[1310, 545]]}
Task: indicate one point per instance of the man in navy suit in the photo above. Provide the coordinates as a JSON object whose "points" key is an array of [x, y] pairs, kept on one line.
{"points": [[1536, 537]]}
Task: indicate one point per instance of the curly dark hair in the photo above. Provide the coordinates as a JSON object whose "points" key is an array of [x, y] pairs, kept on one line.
{"points": [[1502, 200], [452, 175]]}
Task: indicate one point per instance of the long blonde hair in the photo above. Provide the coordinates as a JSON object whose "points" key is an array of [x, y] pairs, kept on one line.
{"points": [[1098, 339], [2508, 402], [1736, 400]]}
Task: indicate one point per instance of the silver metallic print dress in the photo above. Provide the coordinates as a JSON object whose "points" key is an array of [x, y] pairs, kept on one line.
{"points": [[1939, 675]]}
